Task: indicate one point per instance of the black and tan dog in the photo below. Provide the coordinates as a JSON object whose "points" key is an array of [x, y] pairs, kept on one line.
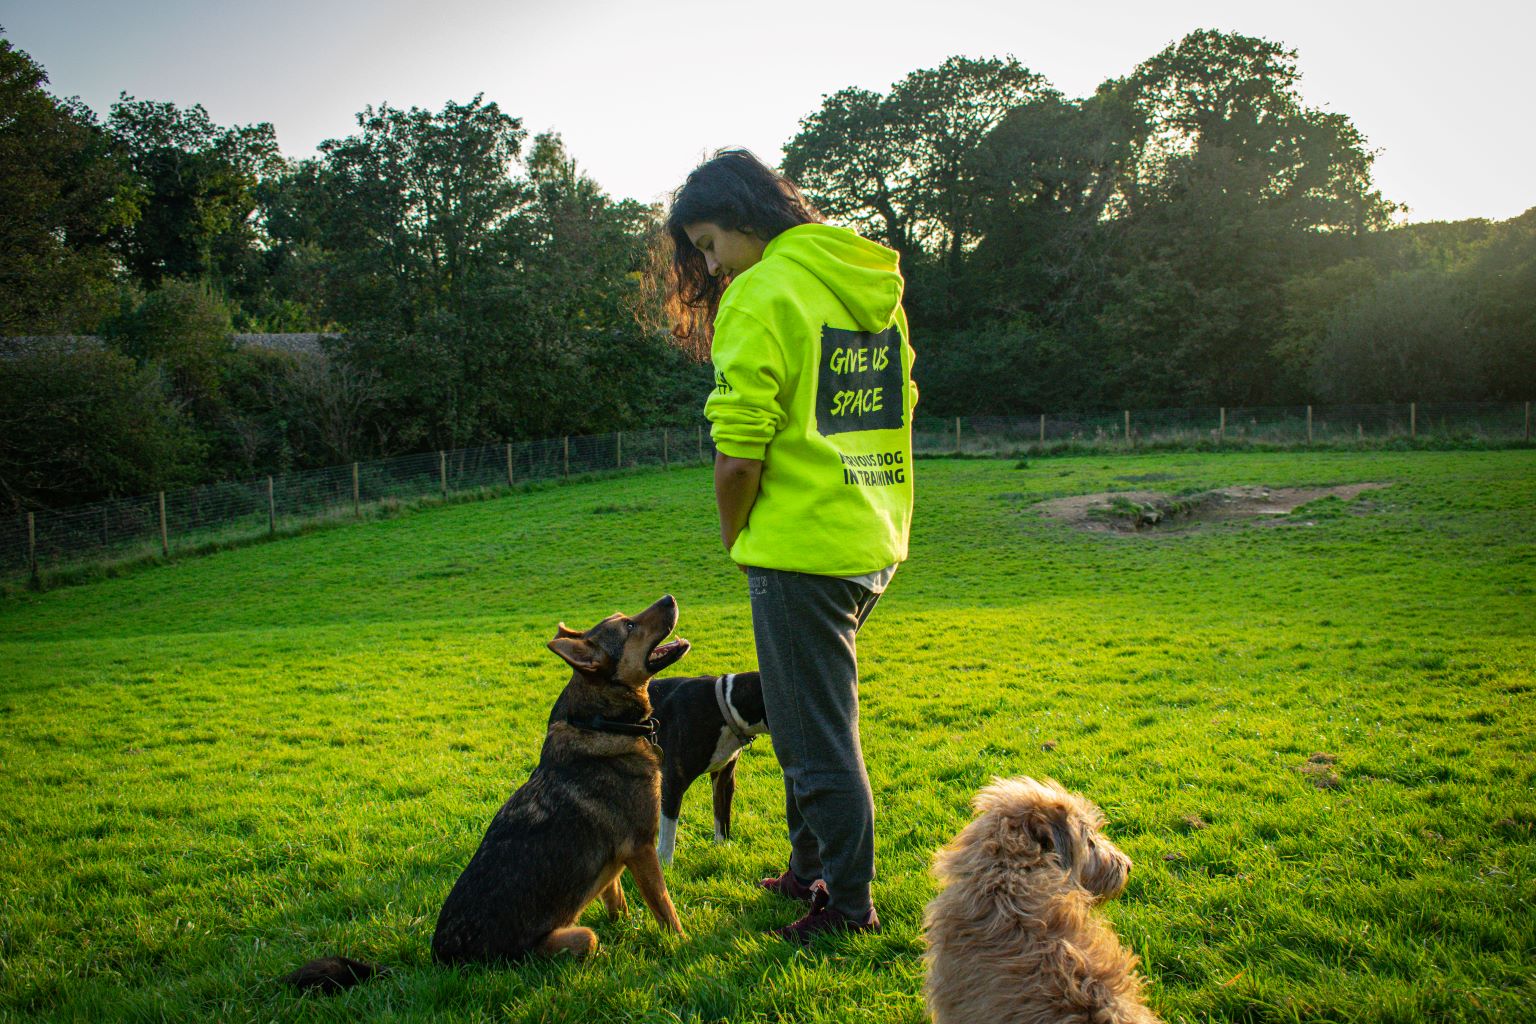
{"points": [[588, 811], [703, 723]]}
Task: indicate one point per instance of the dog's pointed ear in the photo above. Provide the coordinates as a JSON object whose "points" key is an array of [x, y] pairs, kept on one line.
{"points": [[561, 629], [577, 653]]}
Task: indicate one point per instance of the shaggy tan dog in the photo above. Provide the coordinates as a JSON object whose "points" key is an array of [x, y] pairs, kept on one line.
{"points": [[1012, 937]]}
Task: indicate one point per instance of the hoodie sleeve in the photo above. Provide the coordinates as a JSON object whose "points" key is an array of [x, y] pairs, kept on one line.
{"points": [[745, 409]]}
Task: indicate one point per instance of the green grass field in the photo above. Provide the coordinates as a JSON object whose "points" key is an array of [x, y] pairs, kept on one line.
{"points": [[216, 769]]}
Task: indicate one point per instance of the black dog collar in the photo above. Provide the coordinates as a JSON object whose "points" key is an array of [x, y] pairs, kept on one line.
{"points": [[596, 723]]}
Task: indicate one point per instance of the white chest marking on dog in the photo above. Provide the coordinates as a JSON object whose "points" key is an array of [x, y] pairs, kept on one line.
{"points": [[727, 748]]}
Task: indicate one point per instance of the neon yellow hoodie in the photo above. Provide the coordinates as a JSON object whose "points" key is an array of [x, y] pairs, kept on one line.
{"points": [[813, 375]]}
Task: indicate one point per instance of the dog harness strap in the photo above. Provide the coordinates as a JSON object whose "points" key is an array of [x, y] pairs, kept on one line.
{"points": [[728, 710], [646, 728]]}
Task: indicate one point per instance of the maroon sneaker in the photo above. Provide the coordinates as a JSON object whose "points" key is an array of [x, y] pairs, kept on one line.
{"points": [[823, 920], [790, 887]]}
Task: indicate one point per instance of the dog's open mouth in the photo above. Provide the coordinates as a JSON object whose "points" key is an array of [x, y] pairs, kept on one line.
{"points": [[666, 654]]}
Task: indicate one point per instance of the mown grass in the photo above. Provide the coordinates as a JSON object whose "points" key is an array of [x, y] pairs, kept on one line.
{"points": [[218, 768], [95, 564]]}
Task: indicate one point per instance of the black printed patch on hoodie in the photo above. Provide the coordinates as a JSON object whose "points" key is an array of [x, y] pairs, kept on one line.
{"points": [[859, 386]]}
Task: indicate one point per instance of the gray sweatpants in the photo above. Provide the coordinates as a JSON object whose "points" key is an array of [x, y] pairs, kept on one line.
{"points": [[805, 627]]}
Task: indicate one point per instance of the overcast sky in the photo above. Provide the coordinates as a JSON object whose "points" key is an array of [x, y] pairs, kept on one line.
{"points": [[641, 90]]}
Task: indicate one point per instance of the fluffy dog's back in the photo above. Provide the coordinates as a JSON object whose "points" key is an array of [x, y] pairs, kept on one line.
{"points": [[1012, 937]]}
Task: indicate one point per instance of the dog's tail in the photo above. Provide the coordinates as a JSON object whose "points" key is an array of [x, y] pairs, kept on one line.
{"points": [[331, 974]]}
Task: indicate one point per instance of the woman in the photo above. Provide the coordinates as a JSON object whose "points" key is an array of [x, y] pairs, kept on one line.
{"points": [[811, 417]]}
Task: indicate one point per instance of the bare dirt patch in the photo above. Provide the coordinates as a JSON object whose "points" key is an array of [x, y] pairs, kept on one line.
{"points": [[1148, 511], [1319, 772]]}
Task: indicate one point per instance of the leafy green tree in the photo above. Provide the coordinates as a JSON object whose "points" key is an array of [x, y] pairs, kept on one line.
{"points": [[183, 328], [491, 304], [1312, 300], [1411, 338], [199, 180], [903, 167], [1502, 281], [1227, 106], [848, 157], [330, 410], [574, 257], [415, 202], [952, 110], [82, 423], [1438, 245], [1234, 187], [63, 192], [996, 368], [1045, 180], [253, 431], [285, 410], [292, 281], [1429, 311], [413, 209]]}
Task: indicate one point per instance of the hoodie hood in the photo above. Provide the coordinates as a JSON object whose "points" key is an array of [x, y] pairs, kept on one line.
{"points": [[864, 275]]}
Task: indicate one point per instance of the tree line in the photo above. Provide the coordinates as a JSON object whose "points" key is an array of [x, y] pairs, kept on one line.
{"points": [[472, 285], [1192, 233]]}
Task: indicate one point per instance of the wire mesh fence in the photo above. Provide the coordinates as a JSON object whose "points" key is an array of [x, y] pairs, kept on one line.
{"points": [[226, 512], [1498, 422], [159, 524]]}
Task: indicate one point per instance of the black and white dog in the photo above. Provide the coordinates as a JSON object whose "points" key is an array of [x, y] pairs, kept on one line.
{"points": [[704, 723]]}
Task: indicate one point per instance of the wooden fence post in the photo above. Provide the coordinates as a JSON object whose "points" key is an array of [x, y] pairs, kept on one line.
{"points": [[664, 463], [701, 442], [1222, 430], [1309, 424], [957, 435], [442, 470], [618, 450], [509, 464], [1128, 428], [165, 536], [271, 507], [357, 494], [32, 543], [1042, 428], [1413, 419], [565, 442]]}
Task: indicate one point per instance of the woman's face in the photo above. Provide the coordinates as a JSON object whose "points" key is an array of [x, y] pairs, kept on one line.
{"points": [[725, 251]]}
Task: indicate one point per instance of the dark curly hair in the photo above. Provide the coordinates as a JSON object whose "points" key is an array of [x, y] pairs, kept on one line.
{"points": [[739, 192]]}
